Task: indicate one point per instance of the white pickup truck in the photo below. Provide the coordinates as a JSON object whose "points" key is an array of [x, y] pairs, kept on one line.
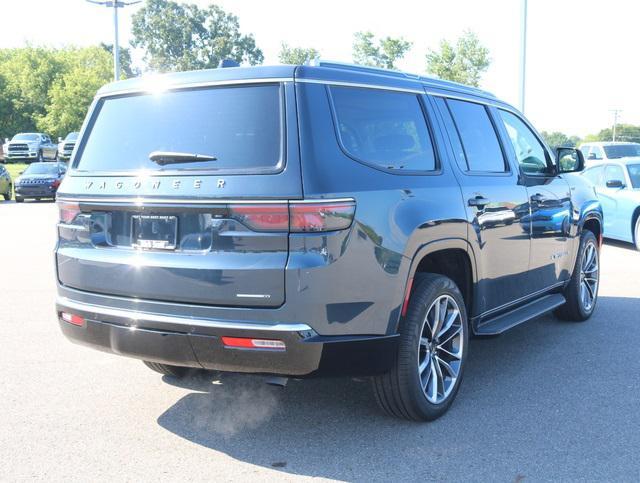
{"points": [[30, 147]]}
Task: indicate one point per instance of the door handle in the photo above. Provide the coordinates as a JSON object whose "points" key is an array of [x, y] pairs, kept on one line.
{"points": [[538, 198], [479, 201]]}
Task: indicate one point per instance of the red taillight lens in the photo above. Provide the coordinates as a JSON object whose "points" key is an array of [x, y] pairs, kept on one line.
{"points": [[315, 217], [68, 211], [267, 217], [72, 319], [56, 183], [248, 343], [296, 217]]}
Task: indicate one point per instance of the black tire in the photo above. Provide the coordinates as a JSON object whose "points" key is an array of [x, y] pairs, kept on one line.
{"points": [[19, 199], [40, 156], [636, 234], [576, 309], [167, 370], [7, 195], [400, 391]]}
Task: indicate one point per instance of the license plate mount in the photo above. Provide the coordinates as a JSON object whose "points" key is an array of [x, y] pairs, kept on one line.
{"points": [[154, 232]]}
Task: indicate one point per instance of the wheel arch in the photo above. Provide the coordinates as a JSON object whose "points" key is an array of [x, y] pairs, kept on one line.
{"points": [[452, 257], [634, 220]]}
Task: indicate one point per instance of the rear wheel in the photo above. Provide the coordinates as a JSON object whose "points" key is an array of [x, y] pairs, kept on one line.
{"points": [[431, 355], [582, 291], [636, 237], [166, 369], [19, 199], [7, 195], [40, 156]]}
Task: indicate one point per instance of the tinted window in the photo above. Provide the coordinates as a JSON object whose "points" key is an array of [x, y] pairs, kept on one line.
{"points": [[596, 152], [240, 126], [530, 153], [614, 172], [593, 174], [25, 137], [634, 174], [622, 150], [42, 168], [481, 148], [384, 128]]}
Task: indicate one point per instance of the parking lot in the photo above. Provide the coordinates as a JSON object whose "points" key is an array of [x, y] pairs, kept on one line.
{"points": [[548, 400]]}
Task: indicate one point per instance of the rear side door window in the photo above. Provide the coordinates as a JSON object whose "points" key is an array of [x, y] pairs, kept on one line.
{"points": [[480, 146], [384, 129], [529, 151]]}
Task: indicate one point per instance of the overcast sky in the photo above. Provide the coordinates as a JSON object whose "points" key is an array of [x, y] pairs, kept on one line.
{"points": [[582, 54]]}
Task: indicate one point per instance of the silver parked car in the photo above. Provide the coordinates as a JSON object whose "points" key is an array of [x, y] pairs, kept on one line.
{"points": [[30, 147]]}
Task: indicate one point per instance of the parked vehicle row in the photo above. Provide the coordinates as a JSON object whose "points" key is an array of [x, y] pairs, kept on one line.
{"points": [[30, 147], [328, 219], [38, 181]]}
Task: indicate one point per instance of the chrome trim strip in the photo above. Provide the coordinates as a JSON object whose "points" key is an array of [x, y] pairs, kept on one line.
{"points": [[356, 84], [65, 303], [192, 85], [185, 201], [73, 227]]}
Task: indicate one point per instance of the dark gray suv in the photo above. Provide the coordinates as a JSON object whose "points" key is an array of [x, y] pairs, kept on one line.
{"points": [[326, 219]]}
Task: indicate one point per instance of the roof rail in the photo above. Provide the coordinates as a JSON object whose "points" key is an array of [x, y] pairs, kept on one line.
{"points": [[317, 62]]}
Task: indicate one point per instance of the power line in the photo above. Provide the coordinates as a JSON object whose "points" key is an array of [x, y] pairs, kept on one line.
{"points": [[116, 48]]}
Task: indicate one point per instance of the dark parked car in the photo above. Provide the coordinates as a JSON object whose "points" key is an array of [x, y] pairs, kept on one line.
{"points": [[6, 183], [39, 180], [66, 145], [327, 219]]}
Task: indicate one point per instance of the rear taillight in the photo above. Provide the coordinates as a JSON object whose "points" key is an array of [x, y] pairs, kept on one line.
{"points": [[55, 183], [267, 217], [297, 217], [315, 217], [68, 211]]}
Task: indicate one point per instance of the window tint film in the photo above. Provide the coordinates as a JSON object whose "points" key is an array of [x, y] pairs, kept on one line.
{"points": [[622, 151], [240, 126], [479, 141], [530, 153], [383, 128]]}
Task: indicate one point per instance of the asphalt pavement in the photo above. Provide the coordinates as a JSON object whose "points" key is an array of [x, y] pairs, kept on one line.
{"points": [[549, 400]]}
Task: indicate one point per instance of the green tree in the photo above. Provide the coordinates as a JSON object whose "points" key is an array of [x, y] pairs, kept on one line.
{"points": [[556, 139], [624, 132], [296, 55], [126, 64], [382, 53], [463, 62], [70, 95], [179, 36]]}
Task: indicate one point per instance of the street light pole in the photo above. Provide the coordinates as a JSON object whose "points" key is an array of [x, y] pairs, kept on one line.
{"points": [[523, 54], [116, 46]]}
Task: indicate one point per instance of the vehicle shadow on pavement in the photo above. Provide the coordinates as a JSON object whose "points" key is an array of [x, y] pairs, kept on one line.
{"points": [[620, 244], [519, 388]]}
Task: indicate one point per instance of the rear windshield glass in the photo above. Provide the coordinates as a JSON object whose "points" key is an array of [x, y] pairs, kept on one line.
{"points": [[241, 127], [42, 168], [622, 151]]}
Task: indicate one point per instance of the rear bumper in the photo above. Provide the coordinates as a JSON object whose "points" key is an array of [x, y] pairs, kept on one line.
{"points": [[197, 343]]}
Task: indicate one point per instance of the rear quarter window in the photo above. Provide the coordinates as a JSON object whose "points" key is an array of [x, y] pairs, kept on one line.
{"points": [[383, 129], [241, 126]]}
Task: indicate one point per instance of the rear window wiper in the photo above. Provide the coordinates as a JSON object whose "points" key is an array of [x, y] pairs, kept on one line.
{"points": [[171, 157]]}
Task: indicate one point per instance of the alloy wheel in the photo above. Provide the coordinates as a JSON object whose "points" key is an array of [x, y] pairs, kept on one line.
{"points": [[440, 349], [589, 270]]}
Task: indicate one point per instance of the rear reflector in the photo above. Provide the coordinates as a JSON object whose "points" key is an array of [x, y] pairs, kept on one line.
{"points": [[407, 296], [72, 318], [248, 343], [314, 216]]}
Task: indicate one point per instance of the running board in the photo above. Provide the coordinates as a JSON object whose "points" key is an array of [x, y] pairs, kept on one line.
{"points": [[499, 324]]}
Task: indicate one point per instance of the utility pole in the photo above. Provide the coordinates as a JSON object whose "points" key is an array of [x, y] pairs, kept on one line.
{"points": [[116, 47], [523, 53], [616, 112]]}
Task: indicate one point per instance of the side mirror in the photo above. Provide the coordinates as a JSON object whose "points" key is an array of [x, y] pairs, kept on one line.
{"points": [[615, 183], [570, 160]]}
